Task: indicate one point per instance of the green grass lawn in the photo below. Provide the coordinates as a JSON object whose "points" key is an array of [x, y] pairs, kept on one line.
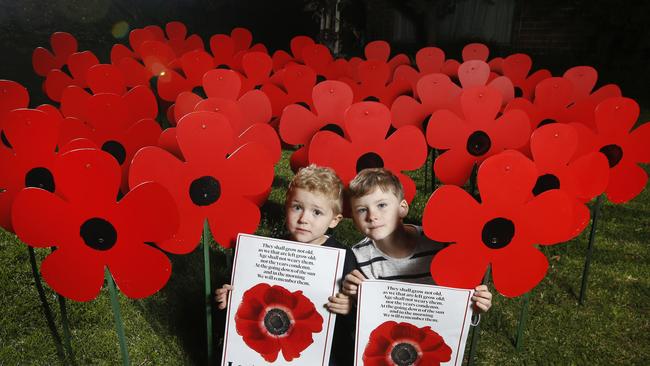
{"points": [[612, 328]]}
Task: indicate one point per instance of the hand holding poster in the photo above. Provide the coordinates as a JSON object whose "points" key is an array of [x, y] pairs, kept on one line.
{"points": [[276, 312], [411, 324]]}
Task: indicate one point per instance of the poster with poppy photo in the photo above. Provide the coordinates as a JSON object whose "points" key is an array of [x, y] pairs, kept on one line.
{"points": [[276, 309], [404, 324]]}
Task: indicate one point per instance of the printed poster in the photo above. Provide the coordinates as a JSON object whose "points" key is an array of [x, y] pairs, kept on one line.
{"points": [[411, 324], [276, 310]]}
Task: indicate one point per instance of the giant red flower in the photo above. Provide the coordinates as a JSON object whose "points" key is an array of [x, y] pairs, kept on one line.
{"points": [[271, 319], [553, 147], [297, 45], [501, 230], [400, 344], [375, 83], [550, 104], [623, 148], [214, 182], [110, 125], [517, 67], [367, 125], [63, 45], [429, 60], [91, 230], [57, 80], [298, 124], [478, 135], [296, 87]]}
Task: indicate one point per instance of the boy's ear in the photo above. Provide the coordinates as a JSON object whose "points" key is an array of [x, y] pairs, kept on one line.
{"points": [[403, 209], [335, 221]]}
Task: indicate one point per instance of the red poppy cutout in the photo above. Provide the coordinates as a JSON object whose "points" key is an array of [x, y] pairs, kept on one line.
{"points": [[271, 319], [623, 147], [367, 125], [257, 68], [78, 63], [194, 65], [516, 67], [374, 83], [553, 147], [396, 344], [550, 104], [436, 92], [14, 96], [475, 51], [63, 45], [91, 230], [380, 51], [179, 42], [298, 81], [297, 45], [298, 124], [213, 182], [477, 73], [478, 135], [319, 58], [502, 230], [584, 100], [429, 60], [34, 135], [109, 124], [229, 50]]}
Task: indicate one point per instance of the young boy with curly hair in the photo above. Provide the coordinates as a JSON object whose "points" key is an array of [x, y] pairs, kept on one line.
{"points": [[391, 250], [314, 204]]}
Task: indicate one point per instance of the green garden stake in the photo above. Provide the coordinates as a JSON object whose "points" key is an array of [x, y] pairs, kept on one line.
{"points": [[434, 154], [476, 331], [590, 249], [519, 340], [46, 307], [66, 329], [208, 289], [119, 325], [426, 170]]}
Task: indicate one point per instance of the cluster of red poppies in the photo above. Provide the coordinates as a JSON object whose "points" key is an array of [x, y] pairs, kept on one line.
{"points": [[545, 146]]}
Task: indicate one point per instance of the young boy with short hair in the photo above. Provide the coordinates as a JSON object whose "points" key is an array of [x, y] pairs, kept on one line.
{"points": [[314, 204], [391, 250]]}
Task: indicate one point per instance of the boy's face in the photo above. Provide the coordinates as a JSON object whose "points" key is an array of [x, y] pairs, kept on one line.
{"points": [[378, 214], [309, 215]]}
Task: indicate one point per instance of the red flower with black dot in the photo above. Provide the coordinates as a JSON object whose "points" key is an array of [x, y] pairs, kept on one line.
{"points": [[476, 136], [92, 231], [228, 50], [501, 230], [63, 45], [516, 67], [368, 146], [78, 65], [404, 344], [271, 319], [299, 124], [624, 148], [213, 183]]}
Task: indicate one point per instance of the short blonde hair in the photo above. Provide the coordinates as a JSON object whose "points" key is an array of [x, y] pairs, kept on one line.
{"points": [[319, 179], [372, 178]]}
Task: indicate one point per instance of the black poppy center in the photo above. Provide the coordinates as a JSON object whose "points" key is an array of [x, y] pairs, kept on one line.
{"points": [[497, 233], [116, 149], [478, 143], [371, 98], [545, 183], [4, 139], [614, 154], [518, 92], [205, 191], [369, 160], [98, 234], [545, 122], [333, 127], [277, 322], [40, 178], [404, 354]]}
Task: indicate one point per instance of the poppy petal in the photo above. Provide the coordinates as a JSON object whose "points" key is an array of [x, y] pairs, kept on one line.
{"points": [[473, 73], [459, 265], [506, 179], [448, 212], [446, 130], [549, 217], [615, 117], [405, 149], [87, 176], [142, 272], [518, 271], [204, 137], [638, 144], [553, 145], [626, 181], [297, 125], [453, 166], [367, 122], [76, 278], [331, 150], [407, 111], [225, 227], [152, 207], [38, 217]]}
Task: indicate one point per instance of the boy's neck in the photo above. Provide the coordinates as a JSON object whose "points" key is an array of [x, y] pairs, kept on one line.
{"points": [[320, 240], [399, 244]]}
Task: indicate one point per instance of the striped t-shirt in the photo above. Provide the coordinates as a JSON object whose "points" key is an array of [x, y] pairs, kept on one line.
{"points": [[375, 264]]}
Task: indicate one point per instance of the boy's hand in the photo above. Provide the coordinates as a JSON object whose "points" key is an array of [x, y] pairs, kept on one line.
{"points": [[221, 296], [352, 281], [339, 304], [482, 298]]}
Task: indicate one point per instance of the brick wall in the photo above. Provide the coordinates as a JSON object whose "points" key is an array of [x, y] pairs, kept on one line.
{"points": [[542, 28]]}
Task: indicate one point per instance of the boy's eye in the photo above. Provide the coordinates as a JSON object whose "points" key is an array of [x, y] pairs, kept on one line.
{"points": [[296, 207], [317, 213], [382, 205], [361, 210]]}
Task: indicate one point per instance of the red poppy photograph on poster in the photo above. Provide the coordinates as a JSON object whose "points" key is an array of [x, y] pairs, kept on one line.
{"points": [[276, 310], [400, 324]]}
